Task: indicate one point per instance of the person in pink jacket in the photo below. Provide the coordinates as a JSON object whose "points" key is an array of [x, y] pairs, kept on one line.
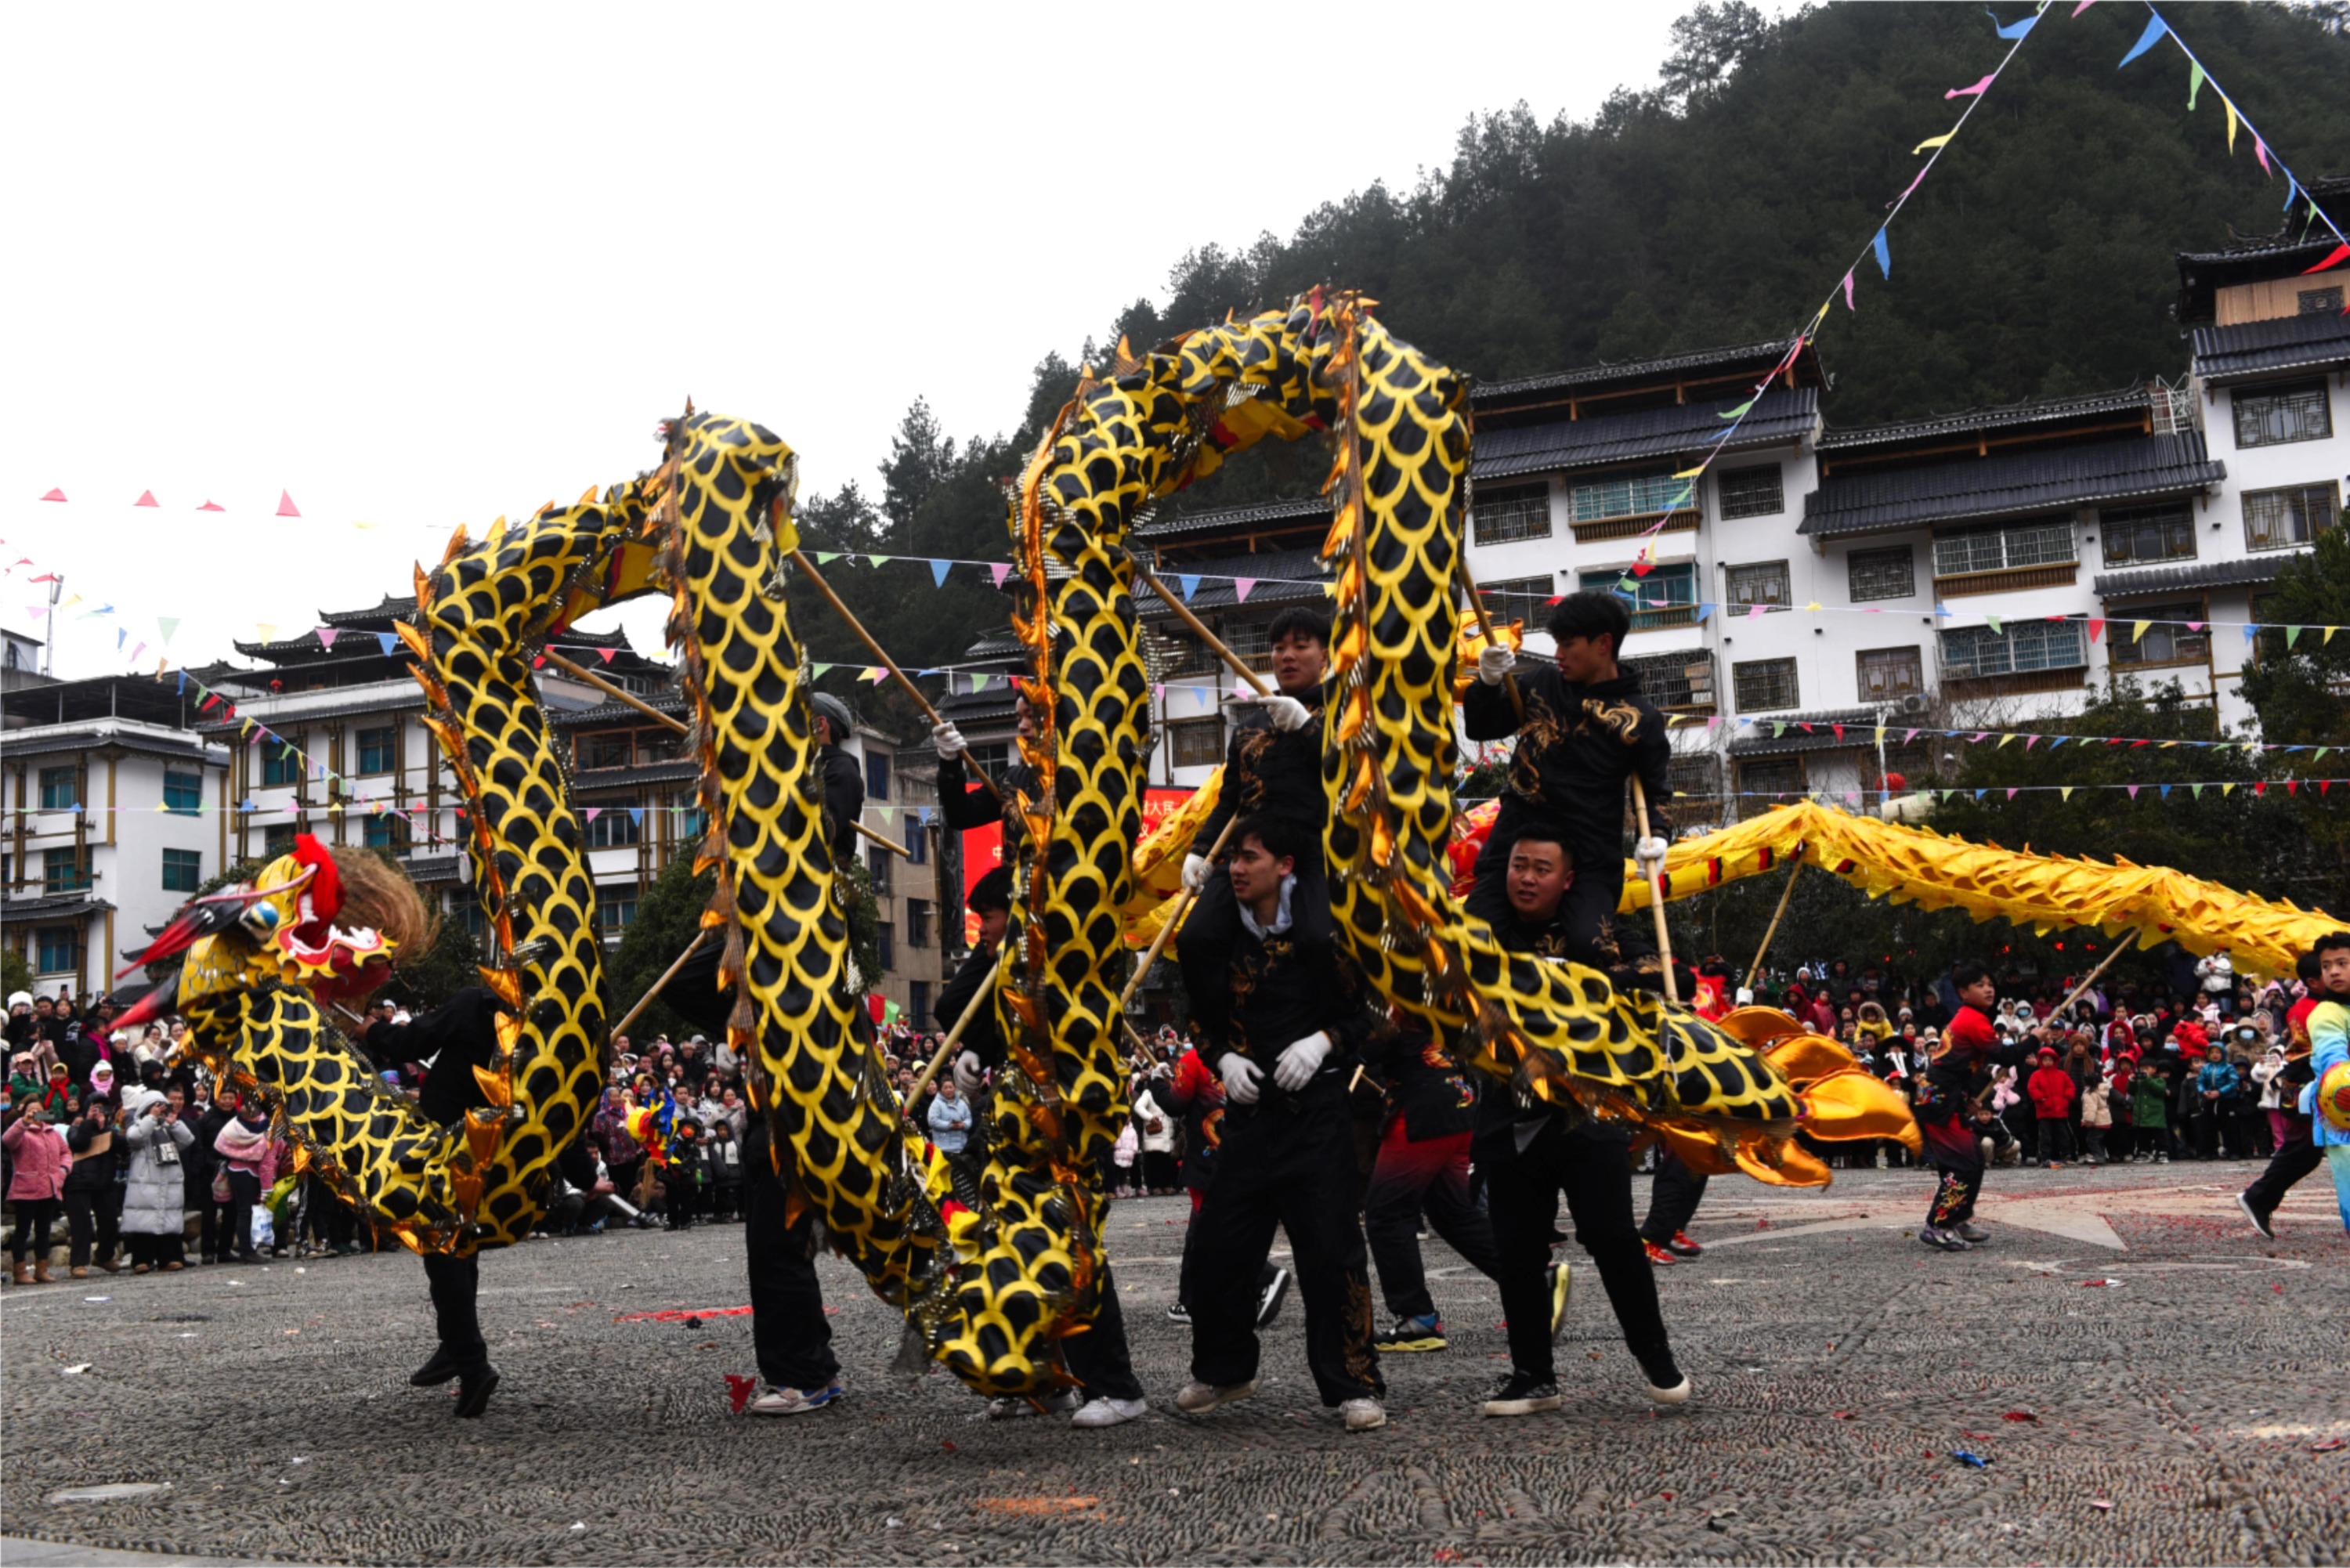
{"points": [[39, 1162], [249, 1159]]}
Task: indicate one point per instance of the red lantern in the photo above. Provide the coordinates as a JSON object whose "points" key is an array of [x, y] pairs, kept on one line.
{"points": [[1893, 781]]}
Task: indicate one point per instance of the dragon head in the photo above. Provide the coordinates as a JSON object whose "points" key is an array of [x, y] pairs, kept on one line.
{"points": [[282, 926]]}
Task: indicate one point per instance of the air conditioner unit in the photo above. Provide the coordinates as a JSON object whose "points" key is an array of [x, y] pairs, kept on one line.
{"points": [[1913, 706]]}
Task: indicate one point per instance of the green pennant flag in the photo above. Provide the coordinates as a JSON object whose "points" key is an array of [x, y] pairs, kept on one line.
{"points": [[1996, 624], [1777, 729], [2199, 790], [2292, 635], [1739, 410], [168, 624], [2321, 753], [2194, 83], [826, 557]]}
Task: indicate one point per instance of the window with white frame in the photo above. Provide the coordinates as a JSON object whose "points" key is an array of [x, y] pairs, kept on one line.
{"points": [[2019, 647], [61, 789], [377, 745], [1886, 572], [58, 950], [2274, 416], [1664, 598], [184, 871], [1755, 491], [615, 827], [1888, 674], [2003, 546], [1630, 495], [2148, 536], [183, 794], [1196, 742], [1505, 513], [2282, 519], [1759, 583]]}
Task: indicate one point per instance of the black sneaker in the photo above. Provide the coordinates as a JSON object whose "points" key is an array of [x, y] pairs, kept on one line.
{"points": [[1413, 1333], [1973, 1235], [1269, 1298], [1178, 1313], [437, 1371], [1519, 1395], [2261, 1221], [473, 1393]]}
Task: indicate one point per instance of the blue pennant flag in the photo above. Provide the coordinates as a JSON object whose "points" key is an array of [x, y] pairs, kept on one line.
{"points": [[2014, 29], [1189, 586], [939, 572], [1884, 255], [2145, 40], [388, 641]]}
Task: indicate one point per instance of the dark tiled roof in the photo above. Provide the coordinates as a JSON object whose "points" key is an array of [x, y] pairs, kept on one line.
{"points": [[431, 870], [997, 645], [87, 736], [409, 702], [1282, 576], [52, 906], [1238, 519], [589, 780], [2132, 398], [1779, 416], [2262, 568], [2006, 486], [670, 701], [2318, 341], [1756, 358], [401, 606], [993, 706], [1763, 741]]}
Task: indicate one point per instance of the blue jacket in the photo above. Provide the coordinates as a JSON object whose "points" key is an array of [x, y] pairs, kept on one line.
{"points": [[2216, 1075], [950, 1123]]}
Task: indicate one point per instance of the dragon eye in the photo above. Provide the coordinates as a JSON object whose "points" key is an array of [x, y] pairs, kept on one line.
{"points": [[262, 918]]}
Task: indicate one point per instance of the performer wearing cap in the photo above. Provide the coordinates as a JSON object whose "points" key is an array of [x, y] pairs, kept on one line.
{"points": [[1108, 1393], [1949, 1115]]}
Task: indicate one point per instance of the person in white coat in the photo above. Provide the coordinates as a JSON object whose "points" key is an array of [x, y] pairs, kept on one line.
{"points": [[160, 1130]]}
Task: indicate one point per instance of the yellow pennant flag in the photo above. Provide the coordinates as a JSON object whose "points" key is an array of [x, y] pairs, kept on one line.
{"points": [[1690, 473], [1942, 140], [2227, 789], [2068, 791], [2231, 125], [2330, 631], [2137, 629], [267, 628], [1812, 607], [2003, 740]]}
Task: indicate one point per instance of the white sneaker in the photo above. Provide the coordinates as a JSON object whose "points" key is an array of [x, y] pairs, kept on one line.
{"points": [[1018, 1406], [1363, 1415], [1677, 1395], [1198, 1399], [796, 1401], [1108, 1412]]}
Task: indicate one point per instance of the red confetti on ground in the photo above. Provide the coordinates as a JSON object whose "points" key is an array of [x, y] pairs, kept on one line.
{"points": [[1762, 1224], [2018, 1415], [739, 1391], [679, 1315], [948, 1444], [2331, 1446], [1840, 1416]]}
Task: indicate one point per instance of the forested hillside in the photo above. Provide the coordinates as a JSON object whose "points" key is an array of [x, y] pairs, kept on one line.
{"points": [[1722, 208]]}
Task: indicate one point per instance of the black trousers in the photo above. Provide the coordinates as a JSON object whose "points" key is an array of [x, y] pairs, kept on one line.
{"points": [[243, 1193], [1098, 1358], [1672, 1200], [2295, 1158], [1286, 1161], [788, 1331], [1431, 1178], [1592, 1165], [95, 1213], [456, 1287], [30, 1242], [1954, 1151]]}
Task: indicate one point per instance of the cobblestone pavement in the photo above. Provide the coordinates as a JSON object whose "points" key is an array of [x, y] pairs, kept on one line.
{"points": [[2170, 1363]]}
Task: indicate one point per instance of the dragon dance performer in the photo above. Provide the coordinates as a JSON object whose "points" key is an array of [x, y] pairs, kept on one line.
{"points": [[1273, 766], [1948, 1113], [1422, 1167], [1530, 1151], [965, 804], [2311, 1138], [1193, 1092], [1106, 1393], [1585, 728], [453, 1040], [1295, 1021]]}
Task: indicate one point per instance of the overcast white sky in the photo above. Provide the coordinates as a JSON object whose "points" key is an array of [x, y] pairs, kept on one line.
{"points": [[422, 265]]}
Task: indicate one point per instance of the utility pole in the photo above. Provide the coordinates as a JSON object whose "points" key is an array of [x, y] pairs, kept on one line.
{"points": [[49, 648]]}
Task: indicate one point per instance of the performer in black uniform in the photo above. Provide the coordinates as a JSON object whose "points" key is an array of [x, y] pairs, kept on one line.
{"points": [[1107, 1392], [1584, 731], [1285, 1047], [966, 805], [1529, 1150], [1273, 766], [456, 1037]]}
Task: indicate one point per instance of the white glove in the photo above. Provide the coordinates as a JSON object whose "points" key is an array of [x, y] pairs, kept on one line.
{"points": [[1301, 1061], [1195, 872], [1494, 661], [1287, 713], [1650, 851], [1241, 1078], [948, 740], [967, 1070]]}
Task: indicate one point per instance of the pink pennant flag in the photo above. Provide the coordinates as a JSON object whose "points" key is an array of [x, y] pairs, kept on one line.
{"points": [[55, 495], [606, 654], [1241, 586], [593, 812], [1911, 187], [2195, 626], [1712, 722], [286, 507], [2260, 152], [211, 505], [326, 635], [999, 570], [1970, 91], [2030, 742], [1754, 611], [1909, 737], [1849, 305], [2133, 792], [2084, 5], [146, 498], [2010, 794]]}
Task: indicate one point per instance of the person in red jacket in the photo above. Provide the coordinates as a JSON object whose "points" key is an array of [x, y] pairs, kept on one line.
{"points": [[2053, 1090]]}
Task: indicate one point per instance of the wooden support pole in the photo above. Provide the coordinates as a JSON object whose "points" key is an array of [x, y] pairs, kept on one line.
{"points": [[800, 560], [1754, 970], [1174, 919], [985, 994], [1656, 894], [1183, 613], [667, 975], [2121, 947], [609, 689]]}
